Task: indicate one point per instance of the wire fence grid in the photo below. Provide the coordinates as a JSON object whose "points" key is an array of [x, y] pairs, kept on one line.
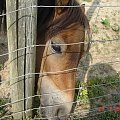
{"points": [[88, 113]]}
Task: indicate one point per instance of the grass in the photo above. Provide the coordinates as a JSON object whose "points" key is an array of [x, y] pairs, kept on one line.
{"points": [[95, 29], [1, 66], [93, 92], [2, 109], [92, 89], [115, 27], [106, 22], [36, 105]]}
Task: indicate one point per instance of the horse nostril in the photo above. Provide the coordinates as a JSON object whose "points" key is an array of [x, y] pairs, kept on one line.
{"points": [[58, 119], [61, 115], [60, 112]]}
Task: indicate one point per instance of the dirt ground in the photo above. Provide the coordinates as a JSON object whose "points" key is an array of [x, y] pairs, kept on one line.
{"points": [[105, 48], [103, 59], [103, 16], [108, 50]]}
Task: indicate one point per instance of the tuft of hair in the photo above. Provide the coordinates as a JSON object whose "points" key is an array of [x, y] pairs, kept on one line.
{"points": [[71, 15]]}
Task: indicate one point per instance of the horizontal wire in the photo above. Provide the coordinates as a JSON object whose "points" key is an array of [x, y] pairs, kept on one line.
{"points": [[35, 6], [39, 46], [15, 11], [57, 72], [95, 57], [47, 94], [92, 115], [28, 111], [90, 110], [77, 43], [71, 114], [54, 6], [82, 111], [67, 6]]}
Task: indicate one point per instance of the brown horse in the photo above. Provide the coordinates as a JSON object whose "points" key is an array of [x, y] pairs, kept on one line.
{"points": [[59, 28]]}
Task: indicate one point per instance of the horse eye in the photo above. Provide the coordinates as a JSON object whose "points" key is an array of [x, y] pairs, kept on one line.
{"points": [[55, 47]]}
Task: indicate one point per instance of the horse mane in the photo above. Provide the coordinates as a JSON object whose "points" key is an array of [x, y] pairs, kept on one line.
{"points": [[45, 23], [43, 13], [70, 15]]}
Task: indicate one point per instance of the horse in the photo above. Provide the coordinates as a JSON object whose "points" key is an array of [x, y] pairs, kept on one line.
{"points": [[59, 28], [61, 36]]}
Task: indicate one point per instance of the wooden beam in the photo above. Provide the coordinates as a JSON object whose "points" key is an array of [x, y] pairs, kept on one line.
{"points": [[21, 32], [31, 30]]}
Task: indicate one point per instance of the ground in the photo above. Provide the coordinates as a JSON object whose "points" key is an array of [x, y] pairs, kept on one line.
{"points": [[101, 66], [100, 77]]}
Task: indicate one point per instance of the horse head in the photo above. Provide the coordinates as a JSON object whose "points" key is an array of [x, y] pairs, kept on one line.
{"points": [[64, 34]]}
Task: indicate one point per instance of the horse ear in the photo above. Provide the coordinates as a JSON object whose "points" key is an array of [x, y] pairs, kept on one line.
{"points": [[83, 8]]}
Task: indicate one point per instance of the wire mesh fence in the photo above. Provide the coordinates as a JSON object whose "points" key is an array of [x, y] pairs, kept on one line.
{"points": [[98, 84]]}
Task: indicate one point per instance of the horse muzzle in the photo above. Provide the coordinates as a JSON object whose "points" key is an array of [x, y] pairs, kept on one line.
{"points": [[55, 104]]}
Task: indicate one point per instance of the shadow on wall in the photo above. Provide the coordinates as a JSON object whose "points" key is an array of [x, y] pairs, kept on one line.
{"points": [[85, 61], [103, 90], [83, 67], [92, 8]]}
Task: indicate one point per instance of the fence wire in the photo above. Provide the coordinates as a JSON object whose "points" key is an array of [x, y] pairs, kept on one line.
{"points": [[11, 12], [57, 72], [75, 115], [83, 111]]}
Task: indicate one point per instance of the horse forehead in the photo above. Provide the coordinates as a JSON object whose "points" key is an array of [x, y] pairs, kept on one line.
{"points": [[74, 34]]}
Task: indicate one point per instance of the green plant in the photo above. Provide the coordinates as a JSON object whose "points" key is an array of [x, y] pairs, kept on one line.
{"points": [[97, 88], [1, 66], [106, 22], [2, 110], [115, 27], [83, 96], [95, 29], [108, 115]]}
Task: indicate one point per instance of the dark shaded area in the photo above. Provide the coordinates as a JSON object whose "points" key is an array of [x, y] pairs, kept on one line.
{"points": [[0, 80], [2, 18], [43, 16], [3, 50]]}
